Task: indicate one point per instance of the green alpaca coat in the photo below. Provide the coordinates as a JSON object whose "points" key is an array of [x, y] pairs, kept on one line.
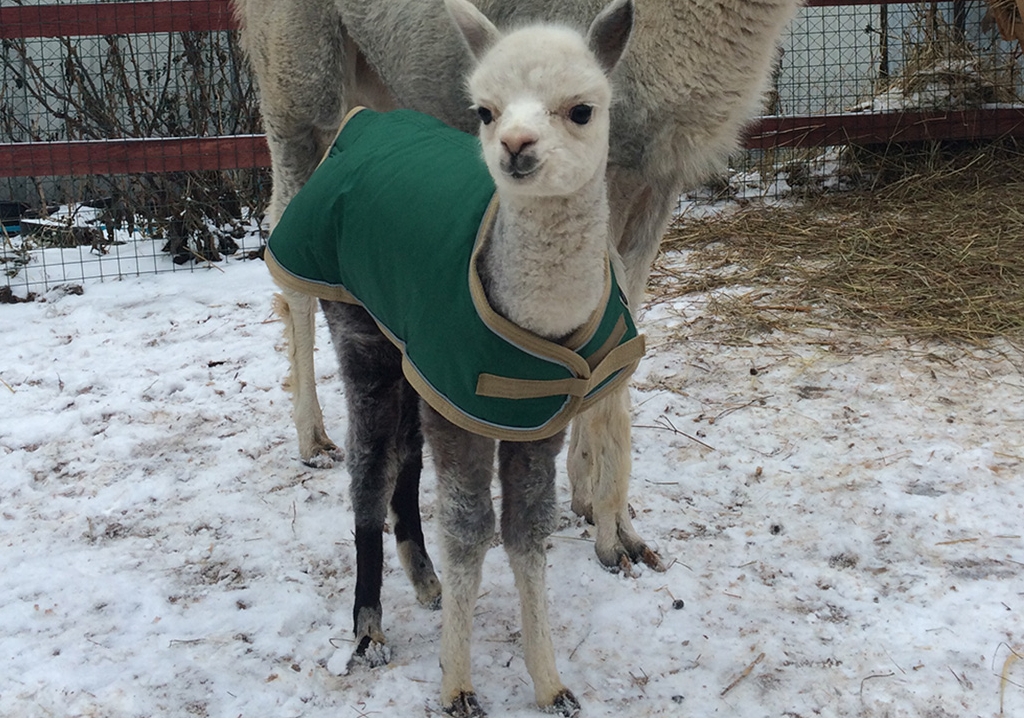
{"points": [[394, 219]]}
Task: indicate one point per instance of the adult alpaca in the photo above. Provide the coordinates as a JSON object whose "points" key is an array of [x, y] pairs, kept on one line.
{"points": [[540, 306], [693, 78]]}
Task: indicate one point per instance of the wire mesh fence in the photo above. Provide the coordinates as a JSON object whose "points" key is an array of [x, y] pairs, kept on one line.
{"points": [[861, 80], [878, 58], [130, 152], [129, 131]]}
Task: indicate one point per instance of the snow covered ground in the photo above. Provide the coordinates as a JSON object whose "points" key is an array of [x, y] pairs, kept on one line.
{"points": [[842, 515]]}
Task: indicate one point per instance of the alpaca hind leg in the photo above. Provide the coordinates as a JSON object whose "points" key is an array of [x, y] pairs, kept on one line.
{"points": [[298, 311], [298, 53], [293, 158], [405, 506], [367, 614], [599, 454], [371, 369], [528, 517], [371, 460], [301, 105], [464, 464]]}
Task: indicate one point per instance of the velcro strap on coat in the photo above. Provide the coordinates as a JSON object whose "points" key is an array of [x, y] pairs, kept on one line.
{"points": [[625, 355]]}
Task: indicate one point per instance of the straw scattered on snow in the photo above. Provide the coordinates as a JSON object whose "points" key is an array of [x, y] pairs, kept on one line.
{"points": [[938, 252]]}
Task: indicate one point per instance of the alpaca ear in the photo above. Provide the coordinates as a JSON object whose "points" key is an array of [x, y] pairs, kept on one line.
{"points": [[610, 32], [478, 32]]}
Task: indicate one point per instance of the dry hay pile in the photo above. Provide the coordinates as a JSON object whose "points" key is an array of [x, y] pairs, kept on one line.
{"points": [[1009, 6], [1006, 14], [938, 252], [943, 70]]}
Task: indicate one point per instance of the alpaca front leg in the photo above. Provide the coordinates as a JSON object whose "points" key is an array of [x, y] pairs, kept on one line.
{"points": [[552, 696], [528, 516], [463, 565], [465, 465], [299, 313], [599, 467]]}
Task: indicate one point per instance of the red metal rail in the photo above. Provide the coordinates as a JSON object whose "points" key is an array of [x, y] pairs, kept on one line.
{"points": [[213, 153], [873, 128], [124, 156], [123, 18]]}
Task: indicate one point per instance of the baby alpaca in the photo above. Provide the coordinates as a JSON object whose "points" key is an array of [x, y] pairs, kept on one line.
{"points": [[541, 279], [543, 98]]}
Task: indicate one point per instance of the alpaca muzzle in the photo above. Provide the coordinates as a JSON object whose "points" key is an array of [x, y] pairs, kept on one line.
{"points": [[519, 165]]}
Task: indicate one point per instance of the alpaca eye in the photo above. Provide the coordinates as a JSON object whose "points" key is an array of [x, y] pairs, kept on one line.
{"points": [[580, 114], [486, 116]]}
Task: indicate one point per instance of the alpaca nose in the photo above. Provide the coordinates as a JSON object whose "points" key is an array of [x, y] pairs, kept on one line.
{"points": [[515, 143]]}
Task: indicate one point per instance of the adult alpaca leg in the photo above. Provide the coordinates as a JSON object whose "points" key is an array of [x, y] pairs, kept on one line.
{"points": [[298, 311], [600, 443], [599, 466], [297, 50], [297, 64]]}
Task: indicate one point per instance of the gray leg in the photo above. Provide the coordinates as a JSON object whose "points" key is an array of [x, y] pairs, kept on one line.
{"points": [[465, 465], [528, 516], [405, 505], [371, 368]]}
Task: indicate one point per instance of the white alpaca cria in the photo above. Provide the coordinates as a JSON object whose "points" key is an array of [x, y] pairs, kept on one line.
{"points": [[693, 77], [543, 96], [541, 278]]}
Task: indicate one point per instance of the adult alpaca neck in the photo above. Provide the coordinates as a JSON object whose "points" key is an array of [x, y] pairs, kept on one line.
{"points": [[543, 97]]}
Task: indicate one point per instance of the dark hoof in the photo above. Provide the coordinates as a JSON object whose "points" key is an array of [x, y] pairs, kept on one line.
{"points": [[649, 557], [565, 705], [434, 604], [465, 705], [325, 458], [370, 653]]}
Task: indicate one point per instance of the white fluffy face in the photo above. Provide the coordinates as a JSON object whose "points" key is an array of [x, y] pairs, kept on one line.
{"points": [[544, 102]]}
